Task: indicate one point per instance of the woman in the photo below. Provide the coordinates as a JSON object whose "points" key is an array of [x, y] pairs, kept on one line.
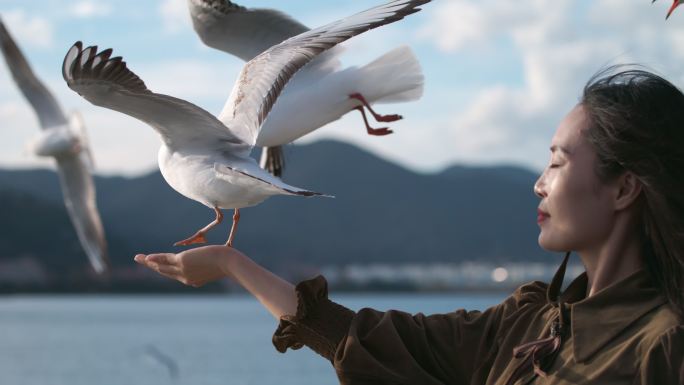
{"points": [[613, 193]]}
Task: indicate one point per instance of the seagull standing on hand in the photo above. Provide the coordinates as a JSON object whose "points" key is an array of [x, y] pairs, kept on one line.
{"points": [[204, 158], [321, 92], [64, 140]]}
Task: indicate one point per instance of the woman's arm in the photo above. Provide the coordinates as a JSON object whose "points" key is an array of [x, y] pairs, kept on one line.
{"points": [[366, 347], [198, 266]]}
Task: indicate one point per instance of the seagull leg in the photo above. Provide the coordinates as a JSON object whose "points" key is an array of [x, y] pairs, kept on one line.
{"points": [[378, 117], [371, 130], [675, 4], [236, 219], [198, 237]]}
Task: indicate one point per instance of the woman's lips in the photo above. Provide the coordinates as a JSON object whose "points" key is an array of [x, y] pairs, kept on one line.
{"points": [[541, 216]]}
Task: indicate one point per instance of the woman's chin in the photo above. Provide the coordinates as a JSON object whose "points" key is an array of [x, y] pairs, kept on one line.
{"points": [[549, 244]]}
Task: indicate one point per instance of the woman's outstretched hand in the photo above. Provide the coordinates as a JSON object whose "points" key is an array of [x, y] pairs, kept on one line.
{"points": [[198, 266], [194, 267]]}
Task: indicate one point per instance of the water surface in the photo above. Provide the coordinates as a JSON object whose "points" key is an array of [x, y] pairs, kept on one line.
{"points": [[154, 340]]}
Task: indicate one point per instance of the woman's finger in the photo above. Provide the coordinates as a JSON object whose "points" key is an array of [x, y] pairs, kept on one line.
{"points": [[162, 258]]}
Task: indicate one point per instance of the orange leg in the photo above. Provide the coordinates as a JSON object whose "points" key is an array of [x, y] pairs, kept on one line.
{"points": [[378, 117], [199, 235], [371, 130], [675, 4], [236, 219]]}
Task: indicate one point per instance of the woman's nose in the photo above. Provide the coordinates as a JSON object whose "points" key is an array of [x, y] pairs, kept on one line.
{"points": [[539, 187]]}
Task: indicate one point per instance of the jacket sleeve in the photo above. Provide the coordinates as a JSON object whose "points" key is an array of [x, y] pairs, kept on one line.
{"points": [[664, 363], [393, 347]]}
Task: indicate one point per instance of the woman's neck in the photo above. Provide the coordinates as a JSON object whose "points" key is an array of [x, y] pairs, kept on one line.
{"points": [[618, 257]]}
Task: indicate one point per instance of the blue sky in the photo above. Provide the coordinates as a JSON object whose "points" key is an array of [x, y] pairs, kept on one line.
{"points": [[498, 75]]}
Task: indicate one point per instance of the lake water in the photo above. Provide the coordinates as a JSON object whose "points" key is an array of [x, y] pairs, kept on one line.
{"points": [[154, 340]]}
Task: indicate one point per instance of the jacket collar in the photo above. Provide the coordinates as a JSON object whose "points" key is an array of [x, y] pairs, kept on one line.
{"points": [[596, 320]]}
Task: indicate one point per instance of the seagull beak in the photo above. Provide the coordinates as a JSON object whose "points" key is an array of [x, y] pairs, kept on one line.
{"points": [[674, 5]]}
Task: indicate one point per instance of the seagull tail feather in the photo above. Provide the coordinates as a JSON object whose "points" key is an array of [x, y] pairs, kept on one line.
{"points": [[394, 77]]}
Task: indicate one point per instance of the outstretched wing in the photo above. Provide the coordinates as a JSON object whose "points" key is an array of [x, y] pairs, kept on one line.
{"points": [[46, 107], [240, 31], [78, 190], [263, 78], [107, 82]]}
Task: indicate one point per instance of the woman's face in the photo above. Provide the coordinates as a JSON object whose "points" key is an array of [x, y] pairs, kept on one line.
{"points": [[575, 212]]}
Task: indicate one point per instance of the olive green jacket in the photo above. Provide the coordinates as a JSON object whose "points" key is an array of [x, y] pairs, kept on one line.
{"points": [[624, 334]]}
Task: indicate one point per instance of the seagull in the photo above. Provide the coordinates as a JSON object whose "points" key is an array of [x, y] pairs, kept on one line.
{"points": [[321, 92], [675, 4], [64, 140], [203, 157], [167, 361]]}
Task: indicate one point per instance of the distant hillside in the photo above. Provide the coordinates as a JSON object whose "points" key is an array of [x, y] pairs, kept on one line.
{"points": [[381, 213]]}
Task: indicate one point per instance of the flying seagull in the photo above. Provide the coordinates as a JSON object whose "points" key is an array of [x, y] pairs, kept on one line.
{"points": [[302, 107], [164, 359], [207, 158], [675, 4], [64, 140]]}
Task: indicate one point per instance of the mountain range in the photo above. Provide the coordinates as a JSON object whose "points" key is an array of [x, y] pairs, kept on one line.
{"points": [[380, 213]]}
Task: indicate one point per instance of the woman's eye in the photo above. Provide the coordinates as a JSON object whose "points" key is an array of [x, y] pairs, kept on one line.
{"points": [[553, 165]]}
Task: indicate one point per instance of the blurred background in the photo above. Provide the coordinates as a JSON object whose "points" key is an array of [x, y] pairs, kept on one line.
{"points": [[437, 216]]}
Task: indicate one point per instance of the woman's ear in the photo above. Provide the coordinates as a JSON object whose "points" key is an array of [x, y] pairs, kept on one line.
{"points": [[628, 190]]}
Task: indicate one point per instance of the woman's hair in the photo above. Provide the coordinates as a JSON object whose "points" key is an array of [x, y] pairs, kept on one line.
{"points": [[636, 124]]}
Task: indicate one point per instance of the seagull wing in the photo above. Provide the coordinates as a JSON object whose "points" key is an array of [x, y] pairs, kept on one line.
{"points": [[78, 191], [240, 31], [43, 102], [107, 82], [263, 78], [251, 176]]}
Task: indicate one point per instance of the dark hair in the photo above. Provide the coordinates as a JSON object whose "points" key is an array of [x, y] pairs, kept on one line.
{"points": [[636, 124]]}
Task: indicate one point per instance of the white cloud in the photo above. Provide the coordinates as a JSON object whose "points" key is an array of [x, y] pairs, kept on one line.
{"points": [[89, 8], [191, 78], [30, 30], [542, 51], [560, 46], [175, 15], [462, 24]]}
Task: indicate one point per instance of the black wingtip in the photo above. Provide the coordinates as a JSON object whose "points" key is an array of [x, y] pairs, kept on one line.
{"points": [[80, 64], [71, 54], [70, 59], [87, 54], [308, 194]]}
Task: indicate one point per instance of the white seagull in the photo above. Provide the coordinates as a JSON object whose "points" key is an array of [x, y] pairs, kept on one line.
{"points": [[321, 92], [204, 158], [64, 140]]}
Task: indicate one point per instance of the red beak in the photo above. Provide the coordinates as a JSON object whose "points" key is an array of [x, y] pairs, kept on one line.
{"points": [[675, 4]]}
